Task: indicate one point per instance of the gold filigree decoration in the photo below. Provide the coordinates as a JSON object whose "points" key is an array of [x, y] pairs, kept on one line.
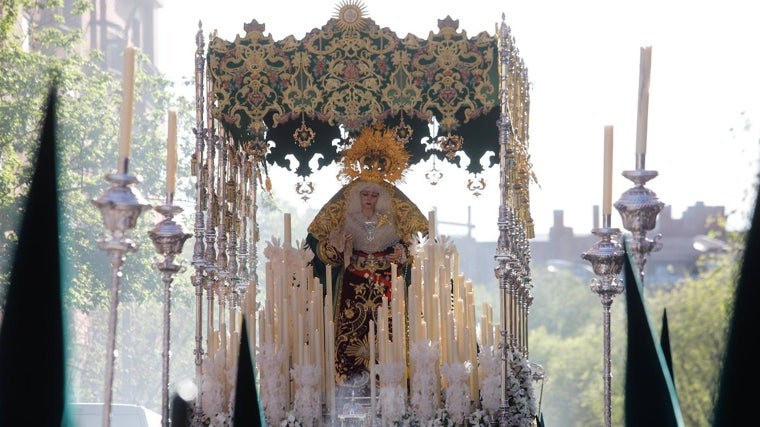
{"points": [[375, 156], [305, 189], [352, 78], [304, 135], [476, 186], [450, 145], [267, 184], [350, 15], [403, 132], [433, 175], [256, 149]]}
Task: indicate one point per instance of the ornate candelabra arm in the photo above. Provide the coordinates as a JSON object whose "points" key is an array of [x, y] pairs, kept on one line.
{"points": [[121, 206], [639, 207], [606, 257], [168, 239]]}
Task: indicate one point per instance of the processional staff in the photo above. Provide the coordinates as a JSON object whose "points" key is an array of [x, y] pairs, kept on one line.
{"points": [[120, 205]]}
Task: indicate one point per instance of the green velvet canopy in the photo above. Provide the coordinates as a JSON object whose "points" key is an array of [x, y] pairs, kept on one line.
{"points": [[443, 96]]}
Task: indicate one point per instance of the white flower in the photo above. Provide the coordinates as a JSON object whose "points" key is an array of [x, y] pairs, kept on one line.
{"points": [[274, 251]]}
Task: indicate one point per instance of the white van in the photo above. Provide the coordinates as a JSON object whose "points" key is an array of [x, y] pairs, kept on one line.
{"points": [[122, 415]]}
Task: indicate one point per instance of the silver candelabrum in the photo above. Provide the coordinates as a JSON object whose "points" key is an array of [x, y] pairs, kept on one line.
{"points": [[606, 257], [168, 239], [639, 207], [121, 206]]}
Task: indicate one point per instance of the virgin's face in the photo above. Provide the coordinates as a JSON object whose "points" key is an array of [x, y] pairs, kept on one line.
{"points": [[369, 199]]}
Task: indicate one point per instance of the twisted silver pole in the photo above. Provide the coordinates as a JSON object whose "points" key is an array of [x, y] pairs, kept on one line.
{"points": [[199, 248], [168, 239], [606, 257], [121, 206]]}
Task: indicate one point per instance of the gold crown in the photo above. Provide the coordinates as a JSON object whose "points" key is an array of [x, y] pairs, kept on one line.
{"points": [[375, 155]]}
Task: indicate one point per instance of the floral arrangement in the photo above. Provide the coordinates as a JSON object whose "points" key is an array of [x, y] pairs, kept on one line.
{"points": [[457, 376], [273, 386], [291, 421], [391, 396], [521, 405], [219, 379], [425, 387], [490, 381], [307, 404]]}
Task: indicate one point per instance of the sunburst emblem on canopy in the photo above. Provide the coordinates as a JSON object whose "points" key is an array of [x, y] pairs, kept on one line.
{"points": [[350, 15]]}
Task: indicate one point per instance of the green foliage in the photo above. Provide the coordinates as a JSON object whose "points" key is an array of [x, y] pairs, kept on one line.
{"points": [[698, 311], [566, 339], [45, 54], [139, 344], [88, 121]]}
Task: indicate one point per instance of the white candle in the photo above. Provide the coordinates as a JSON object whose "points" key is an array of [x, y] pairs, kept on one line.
{"points": [[127, 107], [171, 156], [329, 283], [286, 242], [372, 365], [645, 65], [451, 341], [330, 366], [300, 341], [431, 225], [607, 200]]}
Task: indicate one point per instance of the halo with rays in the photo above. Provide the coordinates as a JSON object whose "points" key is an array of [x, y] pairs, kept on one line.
{"points": [[350, 14]]}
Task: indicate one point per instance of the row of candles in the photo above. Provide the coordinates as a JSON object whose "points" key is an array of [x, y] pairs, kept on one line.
{"points": [[125, 126], [296, 318]]}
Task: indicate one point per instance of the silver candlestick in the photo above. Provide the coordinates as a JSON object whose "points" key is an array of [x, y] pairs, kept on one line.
{"points": [[639, 207], [168, 239], [606, 257], [121, 206]]}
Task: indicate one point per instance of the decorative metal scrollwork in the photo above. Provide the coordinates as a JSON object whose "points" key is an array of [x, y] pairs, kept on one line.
{"points": [[304, 135], [450, 145], [403, 132], [305, 189], [433, 175], [257, 149], [476, 186]]}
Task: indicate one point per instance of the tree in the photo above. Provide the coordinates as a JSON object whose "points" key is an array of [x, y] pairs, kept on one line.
{"points": [[699, 309], [566, 338], [45, 53]]}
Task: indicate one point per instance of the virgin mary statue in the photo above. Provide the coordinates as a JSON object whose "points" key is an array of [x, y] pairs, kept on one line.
{"points": [[358, 235]]}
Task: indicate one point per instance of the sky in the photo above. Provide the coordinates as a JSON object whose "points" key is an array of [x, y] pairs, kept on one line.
{"points": [[583, 67]]}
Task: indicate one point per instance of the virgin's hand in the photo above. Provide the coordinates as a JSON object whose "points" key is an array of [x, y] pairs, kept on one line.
{"points": [[398, 252], [349, 237]]}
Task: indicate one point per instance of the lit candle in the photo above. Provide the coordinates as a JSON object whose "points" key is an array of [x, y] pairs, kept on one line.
{"points": [[171, 156], [607, 200], [127, 107], [645, 65]]}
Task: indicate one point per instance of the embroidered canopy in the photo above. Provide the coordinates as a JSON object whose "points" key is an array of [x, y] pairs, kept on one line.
{"points": [[443, 96]]}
